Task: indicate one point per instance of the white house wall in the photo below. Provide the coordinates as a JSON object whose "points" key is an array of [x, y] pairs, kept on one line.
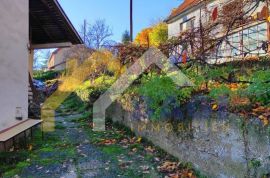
{"points": [[14, 28], [60, 58], [174, 25], [199, 11]]}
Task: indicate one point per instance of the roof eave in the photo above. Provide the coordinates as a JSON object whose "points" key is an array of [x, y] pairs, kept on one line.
{"points": [[79, 39], [49, 26], [178, 16]]}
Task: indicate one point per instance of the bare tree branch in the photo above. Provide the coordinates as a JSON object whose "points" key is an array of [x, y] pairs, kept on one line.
{"points": [[97, 34]]}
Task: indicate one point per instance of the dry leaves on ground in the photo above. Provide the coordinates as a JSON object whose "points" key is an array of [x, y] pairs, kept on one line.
{"points": [[261, 109], [139, 140], [145, 169], [172, 169], [125, 165], [214, 107], [108, 142], [168, 167], [263, 114], [150, 149], [234, 86], [181, 174]]}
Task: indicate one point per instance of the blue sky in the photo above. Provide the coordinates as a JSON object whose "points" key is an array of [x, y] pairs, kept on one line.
{"points": [[116, 13]]}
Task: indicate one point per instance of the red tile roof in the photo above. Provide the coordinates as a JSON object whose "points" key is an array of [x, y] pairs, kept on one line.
{"points": [[184, 6]]}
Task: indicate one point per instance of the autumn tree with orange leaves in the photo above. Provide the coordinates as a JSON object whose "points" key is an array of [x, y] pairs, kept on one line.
{"points": [[143, 38]]}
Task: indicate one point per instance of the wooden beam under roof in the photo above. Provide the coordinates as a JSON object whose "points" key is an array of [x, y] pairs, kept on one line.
{"points": [[40, 24], [51, 45]]}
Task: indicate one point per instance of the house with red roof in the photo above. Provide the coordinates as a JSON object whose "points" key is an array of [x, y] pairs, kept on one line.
{"points": [[58, 59], [184, 17], [246, 38]]}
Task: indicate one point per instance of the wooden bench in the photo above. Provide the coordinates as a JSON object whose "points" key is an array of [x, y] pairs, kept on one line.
{"points": [[16, 130]]}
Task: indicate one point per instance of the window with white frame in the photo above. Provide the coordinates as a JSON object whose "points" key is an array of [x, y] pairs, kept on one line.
{"points": [[247, 41], [187, 25]]}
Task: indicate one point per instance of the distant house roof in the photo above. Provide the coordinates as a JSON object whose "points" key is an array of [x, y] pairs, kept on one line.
{"points": [[50, 24], [56, 51], [53, 54], [82, 50], [183, 7]]}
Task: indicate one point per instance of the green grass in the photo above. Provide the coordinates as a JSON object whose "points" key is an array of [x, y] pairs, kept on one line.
{"points": [[73, 104], [51, 150], [60, 127], [47, 149], [16, 169], [132, 173], [113, 150]]}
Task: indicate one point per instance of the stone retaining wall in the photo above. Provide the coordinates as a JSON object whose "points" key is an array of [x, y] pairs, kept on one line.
{"points": [[219, 144]]}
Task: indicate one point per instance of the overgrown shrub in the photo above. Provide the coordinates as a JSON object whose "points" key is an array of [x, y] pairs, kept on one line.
{"points": [[95, 87], [259, 90], [98, 71], [221, 91], [215, 73], [83, 91], [44, 76], [160, 90]]}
